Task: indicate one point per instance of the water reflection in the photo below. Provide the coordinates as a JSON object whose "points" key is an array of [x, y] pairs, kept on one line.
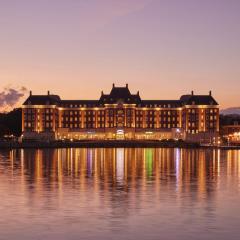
{"points": [[119, 189], [113, 168], [195, 170]]}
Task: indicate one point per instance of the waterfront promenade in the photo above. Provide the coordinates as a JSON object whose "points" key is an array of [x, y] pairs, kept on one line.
{"points": [[109, 144]]}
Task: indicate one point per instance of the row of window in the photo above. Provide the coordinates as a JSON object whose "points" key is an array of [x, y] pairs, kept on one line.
{"points": [[111, 125], [193, 110], [195, 118], [32, 125]]}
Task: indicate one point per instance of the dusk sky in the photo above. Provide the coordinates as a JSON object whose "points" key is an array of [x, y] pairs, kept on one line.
{"points": [[163, 48]]}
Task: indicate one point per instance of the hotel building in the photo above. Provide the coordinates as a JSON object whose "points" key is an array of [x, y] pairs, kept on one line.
{"points": [[120, 115]]}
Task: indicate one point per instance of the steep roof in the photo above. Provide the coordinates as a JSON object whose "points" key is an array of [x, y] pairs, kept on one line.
{"points": [[120, 94], [162, 103], [82, 103], [198, 100], [42, 100]]}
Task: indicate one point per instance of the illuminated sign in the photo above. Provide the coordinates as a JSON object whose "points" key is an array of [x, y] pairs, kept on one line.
{"points": [[120, 131]]}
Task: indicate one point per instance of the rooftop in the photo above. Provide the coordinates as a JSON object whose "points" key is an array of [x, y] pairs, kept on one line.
{"points": [[121, 95]]}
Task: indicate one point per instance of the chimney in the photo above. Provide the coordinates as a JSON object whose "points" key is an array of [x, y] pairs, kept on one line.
{"points": [[192, 93], [30, 93], [102, 93], [138, 93], [127, 85], [210, 93], [113, 85], [48, 92]]}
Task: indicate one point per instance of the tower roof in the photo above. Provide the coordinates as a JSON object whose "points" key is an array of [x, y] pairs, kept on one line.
{"points": [[198, 100], [42, 100], [120, 94]]}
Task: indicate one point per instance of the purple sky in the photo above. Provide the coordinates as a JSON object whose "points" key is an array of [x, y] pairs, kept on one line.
{"points": [[164, 48]]}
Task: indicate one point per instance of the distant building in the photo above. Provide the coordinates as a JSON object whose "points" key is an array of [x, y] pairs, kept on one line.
{"points": [[120, 115], [230, 129]]}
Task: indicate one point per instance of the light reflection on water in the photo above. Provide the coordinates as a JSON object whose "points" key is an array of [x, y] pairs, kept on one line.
{"points": [[119, 194]]}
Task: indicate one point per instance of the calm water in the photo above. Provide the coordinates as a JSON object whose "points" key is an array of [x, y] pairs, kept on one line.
{"points": [[119, 194]]}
